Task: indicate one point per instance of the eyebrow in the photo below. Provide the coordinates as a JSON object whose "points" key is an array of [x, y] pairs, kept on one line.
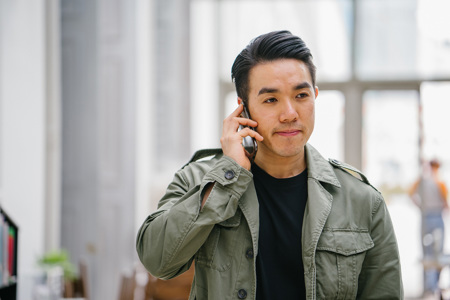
{"points": [[299, 86]]}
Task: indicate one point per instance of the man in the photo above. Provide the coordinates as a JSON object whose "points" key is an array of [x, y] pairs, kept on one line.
{"points": [[429, 193], [284, 224]]}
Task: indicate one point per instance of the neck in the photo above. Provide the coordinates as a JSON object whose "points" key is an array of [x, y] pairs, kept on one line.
{"points": [[434, 173], [281, 167]]}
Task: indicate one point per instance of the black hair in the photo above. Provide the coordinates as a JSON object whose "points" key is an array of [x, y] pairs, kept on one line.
{"points": [[269, 47]]}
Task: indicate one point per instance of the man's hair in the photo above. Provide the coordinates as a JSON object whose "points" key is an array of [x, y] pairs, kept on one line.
{"points": [[435, 163], [265, 48]]}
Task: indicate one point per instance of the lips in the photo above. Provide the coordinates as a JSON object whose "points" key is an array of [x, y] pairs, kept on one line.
{"points": [[289, 133]]}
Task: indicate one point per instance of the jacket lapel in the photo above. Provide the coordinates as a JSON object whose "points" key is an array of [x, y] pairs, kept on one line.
{"points": [[318, 207]]}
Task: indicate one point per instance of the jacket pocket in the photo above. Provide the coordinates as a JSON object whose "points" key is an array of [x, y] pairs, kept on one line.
{"points": [[216, 253], [339, 258]]}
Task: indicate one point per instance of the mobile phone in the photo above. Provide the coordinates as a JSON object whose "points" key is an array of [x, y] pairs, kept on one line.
{"points": [[248, 142]]}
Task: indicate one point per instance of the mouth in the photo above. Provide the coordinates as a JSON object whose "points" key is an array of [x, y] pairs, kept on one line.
{"points": [[289, 132]]}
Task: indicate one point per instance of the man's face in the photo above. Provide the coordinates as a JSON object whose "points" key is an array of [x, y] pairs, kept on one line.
{"points": [[281, 99]]}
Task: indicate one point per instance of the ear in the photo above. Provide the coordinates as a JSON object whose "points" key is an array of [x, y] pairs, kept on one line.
{"points": [[316, 91]]}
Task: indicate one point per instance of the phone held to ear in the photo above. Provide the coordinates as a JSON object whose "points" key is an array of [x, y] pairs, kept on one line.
{"points": [[248, 142]]}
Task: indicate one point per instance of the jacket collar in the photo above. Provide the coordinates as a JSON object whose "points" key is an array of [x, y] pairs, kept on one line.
{"points": [[319, 168]]}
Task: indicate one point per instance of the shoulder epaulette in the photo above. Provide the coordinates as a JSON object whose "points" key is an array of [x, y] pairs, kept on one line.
{"points": [[200, 154], [351, 170]]}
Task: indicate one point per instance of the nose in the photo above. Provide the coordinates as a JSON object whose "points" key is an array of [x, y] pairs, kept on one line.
{"points": [[288, 113]]}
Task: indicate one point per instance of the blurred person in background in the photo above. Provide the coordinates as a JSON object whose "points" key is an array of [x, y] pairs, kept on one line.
{"points": [[283, 222], [429, 193]]}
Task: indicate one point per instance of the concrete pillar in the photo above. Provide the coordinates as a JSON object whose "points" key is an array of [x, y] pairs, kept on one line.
{"points": [[98, 139]]}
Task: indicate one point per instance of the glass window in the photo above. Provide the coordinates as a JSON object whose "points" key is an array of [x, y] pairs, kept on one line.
{"points": [[402, 39], [433, 38], [391, 139], [386, 39], [323, 25], [391, 162], [328, 135], [435, 97]]}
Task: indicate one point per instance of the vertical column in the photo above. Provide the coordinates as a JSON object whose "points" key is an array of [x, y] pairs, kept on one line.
{"points": [[171, 102], [80, 133], [98, 162], [353, 126], [53, 127], [206, 108], [145, 113], [353, 102], [2, 18], [172, 83], [116, 143], [23, 117]]}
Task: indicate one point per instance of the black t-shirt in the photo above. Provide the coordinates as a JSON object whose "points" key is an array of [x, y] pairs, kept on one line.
{"points": [[279, 265]]}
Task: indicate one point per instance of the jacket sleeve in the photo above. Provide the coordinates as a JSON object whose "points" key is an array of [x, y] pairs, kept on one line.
{"points": [[170, 237], [381, 276]]}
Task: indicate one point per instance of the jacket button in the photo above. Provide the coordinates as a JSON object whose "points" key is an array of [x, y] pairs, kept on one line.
{"points": [[249, 253], [242, 294], [335, 161], [229, 175]]}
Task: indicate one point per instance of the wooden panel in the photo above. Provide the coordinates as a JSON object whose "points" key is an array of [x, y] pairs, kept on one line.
{"points": [[177, 288]]}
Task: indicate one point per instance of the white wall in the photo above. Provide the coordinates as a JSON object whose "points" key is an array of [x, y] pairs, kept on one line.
{"points": [[22, 98]]}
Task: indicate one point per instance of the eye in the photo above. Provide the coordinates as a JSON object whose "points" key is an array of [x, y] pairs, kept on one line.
{"points": [[270, 100], [302, 95]]}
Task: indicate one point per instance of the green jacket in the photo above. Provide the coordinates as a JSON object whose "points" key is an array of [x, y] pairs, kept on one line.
{"points": [[349, 245]]}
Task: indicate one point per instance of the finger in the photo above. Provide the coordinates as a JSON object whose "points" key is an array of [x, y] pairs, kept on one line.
{"points": [[237, 112], [247, 122], [250, 132], [232, 125], [231, 121]]}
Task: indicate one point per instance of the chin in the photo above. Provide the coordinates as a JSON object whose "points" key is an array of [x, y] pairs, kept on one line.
{"points": [[283, 149], [289, 151], [289, 154]]}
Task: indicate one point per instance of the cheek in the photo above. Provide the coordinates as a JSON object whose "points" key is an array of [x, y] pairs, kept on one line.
{"points": [[308, 113], [265, 121], [308, 118], [262, 128]]}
